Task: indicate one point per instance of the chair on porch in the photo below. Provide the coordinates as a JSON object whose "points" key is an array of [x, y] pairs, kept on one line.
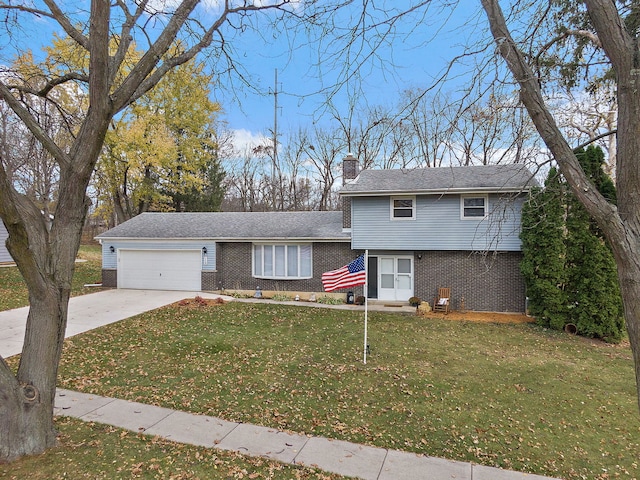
{"points": [[443, 301]]}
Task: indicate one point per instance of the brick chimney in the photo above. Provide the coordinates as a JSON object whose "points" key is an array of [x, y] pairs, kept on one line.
{"points": [[350, 170], [350, 167]]}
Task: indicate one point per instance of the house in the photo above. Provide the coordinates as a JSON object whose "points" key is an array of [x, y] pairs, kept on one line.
{"points": [[423, 228], [452, 227], [5, 257], [281, 251]]}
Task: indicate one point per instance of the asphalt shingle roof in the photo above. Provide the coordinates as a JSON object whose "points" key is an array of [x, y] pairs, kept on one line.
{"points": [[486, 178], [233, 226]]}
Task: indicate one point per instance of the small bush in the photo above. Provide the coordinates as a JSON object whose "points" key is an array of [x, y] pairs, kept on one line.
{"points": [[239, 295], [281, 297], [414, 301], [330, 300]]}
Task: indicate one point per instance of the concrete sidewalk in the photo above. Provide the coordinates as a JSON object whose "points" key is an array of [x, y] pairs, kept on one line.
{"points": [[335, 456]]}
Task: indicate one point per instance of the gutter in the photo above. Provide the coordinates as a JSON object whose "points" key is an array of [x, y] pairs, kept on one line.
{"points": [[382, 193]]}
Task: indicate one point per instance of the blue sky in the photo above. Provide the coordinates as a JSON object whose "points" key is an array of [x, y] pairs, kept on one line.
{"points": [[421, 50], [424, 44]]}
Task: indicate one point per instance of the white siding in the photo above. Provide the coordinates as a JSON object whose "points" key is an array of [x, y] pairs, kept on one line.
{"points": [[4, 253], [437, 225], [109, 259]]}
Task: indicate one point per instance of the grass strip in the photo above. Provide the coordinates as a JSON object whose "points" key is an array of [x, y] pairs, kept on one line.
{"points": [[94, 451]]}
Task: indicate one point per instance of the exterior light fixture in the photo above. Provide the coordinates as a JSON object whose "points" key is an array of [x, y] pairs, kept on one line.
{"points": [[112, 249], [204, 250]]}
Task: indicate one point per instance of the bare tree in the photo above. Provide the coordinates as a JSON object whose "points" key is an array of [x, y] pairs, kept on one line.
{"points": [[244, 183], [45, 256], [429, 126], [611, 32], [29, 166], [297, 186], [371, 134], [590, 117], [324, 154]]}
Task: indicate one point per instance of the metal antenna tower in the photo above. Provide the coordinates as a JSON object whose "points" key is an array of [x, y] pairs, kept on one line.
{"points": [[275, 122]]}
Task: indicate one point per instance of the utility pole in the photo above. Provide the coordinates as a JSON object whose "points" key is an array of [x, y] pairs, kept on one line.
{"points": [[274, 160], [275, 122]]}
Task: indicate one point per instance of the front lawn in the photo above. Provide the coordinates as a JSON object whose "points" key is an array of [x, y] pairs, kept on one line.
{"points": [[512, 396], [88, 270]]}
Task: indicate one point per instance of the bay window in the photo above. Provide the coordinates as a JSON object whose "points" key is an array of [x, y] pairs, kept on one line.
{"points": [[282, 261]]}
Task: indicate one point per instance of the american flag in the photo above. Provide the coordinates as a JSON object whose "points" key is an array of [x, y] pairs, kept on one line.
{"points": [[350, 275]]}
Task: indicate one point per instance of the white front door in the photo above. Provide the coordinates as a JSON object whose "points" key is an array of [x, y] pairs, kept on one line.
{"points": [[395, 278]]}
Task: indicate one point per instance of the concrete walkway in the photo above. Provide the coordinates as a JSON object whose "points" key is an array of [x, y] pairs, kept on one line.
{"points": [[335, 456], [91, 311]]}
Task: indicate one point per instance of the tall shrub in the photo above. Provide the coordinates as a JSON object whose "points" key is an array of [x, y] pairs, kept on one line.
{"points": [[593, 291], [543, 246], [569, 269]]}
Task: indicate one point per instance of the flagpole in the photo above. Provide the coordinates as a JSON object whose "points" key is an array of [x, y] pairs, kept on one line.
{"points": [[366, 300]]}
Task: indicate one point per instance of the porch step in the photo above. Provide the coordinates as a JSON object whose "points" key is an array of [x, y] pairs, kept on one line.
{"points": [[388, 304]]}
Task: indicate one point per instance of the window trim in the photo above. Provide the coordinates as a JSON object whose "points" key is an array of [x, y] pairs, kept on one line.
{"points": [[485, 197], [392, 208], [286, 246]]}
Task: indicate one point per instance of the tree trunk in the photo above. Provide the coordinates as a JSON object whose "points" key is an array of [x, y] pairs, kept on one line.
{"points": [[621, 224], [26, 400], [629, 277], [46, 261]]}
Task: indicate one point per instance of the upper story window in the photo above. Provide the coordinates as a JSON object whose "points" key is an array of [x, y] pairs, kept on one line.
{"points": [[403, 208], [473, 207], [282, 261]]}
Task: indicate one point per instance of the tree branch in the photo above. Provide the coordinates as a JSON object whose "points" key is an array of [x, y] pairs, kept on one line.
{"points": [[54, 82], [531, 96], [122, 96], [615, 40], [595, 139], [64, 22], [144, 75], [33, 125], [125, 36]]}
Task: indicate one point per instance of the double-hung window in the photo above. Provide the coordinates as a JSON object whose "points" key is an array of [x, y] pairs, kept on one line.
{"points": [[473, 207], [403, 208], [282, 261]]}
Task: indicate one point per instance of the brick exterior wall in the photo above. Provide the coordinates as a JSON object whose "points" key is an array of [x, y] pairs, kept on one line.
{"points": [[209, 281], [350, 167], [346, 212], [234, 268], [488, 282], [109, 278]]}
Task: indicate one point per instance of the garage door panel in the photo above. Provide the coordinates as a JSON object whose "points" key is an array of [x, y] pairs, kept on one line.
{"points": [[160, 269]]}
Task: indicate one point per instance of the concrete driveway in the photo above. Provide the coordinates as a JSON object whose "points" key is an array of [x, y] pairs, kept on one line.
{"points": [[87, 312]]}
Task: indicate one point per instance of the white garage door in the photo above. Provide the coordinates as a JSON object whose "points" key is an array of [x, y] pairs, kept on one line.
{"points": [[160, 269]]}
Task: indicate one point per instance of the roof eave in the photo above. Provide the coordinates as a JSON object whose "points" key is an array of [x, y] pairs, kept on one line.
{"points": [[231, 239], [439, 191]]}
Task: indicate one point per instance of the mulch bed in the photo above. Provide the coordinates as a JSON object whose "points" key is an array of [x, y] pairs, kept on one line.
{"points": [[486, 317]]}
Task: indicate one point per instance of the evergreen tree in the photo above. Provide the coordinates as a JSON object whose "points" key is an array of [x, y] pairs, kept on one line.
{"points": [[593, 293], [569, 269], [206, 198], [543, 264]]}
